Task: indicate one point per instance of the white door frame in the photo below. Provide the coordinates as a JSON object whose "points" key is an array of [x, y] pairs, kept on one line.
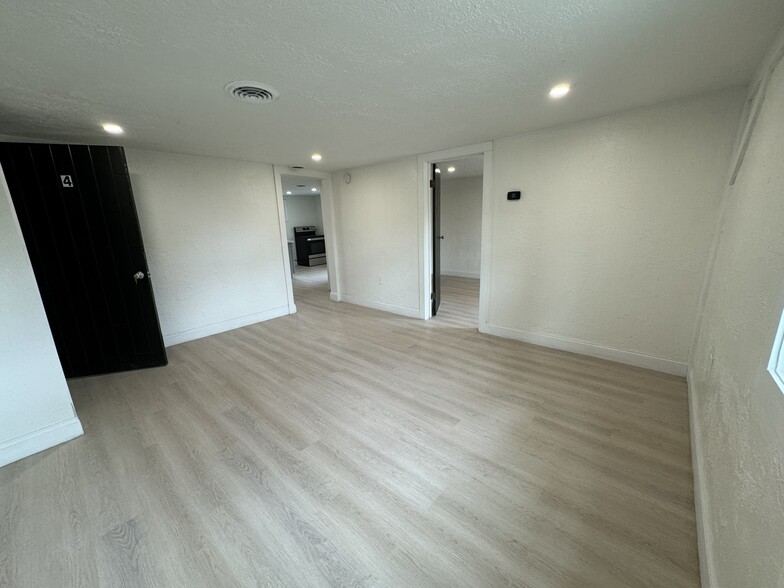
{"points": [[425, 161], [328, 218]]}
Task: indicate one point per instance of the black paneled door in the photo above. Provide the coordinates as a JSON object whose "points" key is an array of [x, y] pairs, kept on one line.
{"points": [[435, 184], [78, 218]]}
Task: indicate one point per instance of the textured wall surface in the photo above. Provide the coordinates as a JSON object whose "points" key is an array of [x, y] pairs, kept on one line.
{"points": [[33, 392], [303, 210], [377, 235], [610, 241], [212, 236], [739, 408], [461, 225]]}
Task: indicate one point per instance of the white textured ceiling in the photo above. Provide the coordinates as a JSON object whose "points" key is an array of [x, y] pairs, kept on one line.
{"points": [[359, 81], [466, 167], [299, 186]]}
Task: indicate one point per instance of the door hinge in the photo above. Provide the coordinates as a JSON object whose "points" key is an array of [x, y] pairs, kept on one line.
{"points": [[432, 296], [432, 183]]}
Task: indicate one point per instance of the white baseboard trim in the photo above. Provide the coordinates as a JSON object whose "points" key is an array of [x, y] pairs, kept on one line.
{"points": [[335, 296], [235, 323], [701, 504], [628, 357], [459, 274], [39, 440], [401, 310]]}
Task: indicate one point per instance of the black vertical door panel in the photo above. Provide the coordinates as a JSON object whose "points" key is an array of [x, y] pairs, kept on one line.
{"points": [[78, 217], [436, 184]]}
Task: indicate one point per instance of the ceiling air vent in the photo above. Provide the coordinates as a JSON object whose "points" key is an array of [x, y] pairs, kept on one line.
{"points": [[253, 92]]}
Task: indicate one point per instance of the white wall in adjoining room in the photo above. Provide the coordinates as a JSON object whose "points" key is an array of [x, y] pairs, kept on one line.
{"points": [[303, 211], [461, 226], [212, 236], [737, 408], [378, 236], [36, 411], [606, 252]]}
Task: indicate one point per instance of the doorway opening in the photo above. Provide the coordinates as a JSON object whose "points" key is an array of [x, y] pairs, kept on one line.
{"points": [[305, 236], [475, 164], [306, 225], [456, 210]]}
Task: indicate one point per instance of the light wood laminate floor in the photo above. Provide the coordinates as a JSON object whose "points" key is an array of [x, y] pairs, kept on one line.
{"points": [[459, 303], [346, 446], [459, 296]]}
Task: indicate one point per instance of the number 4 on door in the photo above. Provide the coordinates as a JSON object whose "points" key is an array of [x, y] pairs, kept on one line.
{"points": [[67, 181]]}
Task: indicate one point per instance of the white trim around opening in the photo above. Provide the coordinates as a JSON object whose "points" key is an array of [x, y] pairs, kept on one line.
{"points": [[776, 362], [424, 162], [328, 217]]}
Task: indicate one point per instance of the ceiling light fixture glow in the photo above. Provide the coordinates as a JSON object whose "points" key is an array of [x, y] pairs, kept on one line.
{"points": [[314, 189], [560, 90], [438, 170], [451, 169], [112, 128], [288, 192], [316, 157]]}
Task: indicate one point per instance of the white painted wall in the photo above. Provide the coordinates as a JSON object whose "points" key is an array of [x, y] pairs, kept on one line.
{"points": [[737, 409], [605, 253], [461, 225], [212, 237], [35, 405], [303, 211], [377, 235]]}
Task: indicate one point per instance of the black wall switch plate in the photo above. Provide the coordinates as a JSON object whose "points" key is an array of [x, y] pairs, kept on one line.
{"points": [[513, 195]]}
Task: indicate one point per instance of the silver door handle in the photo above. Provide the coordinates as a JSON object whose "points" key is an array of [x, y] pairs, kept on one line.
{"points": [[138, 276]]}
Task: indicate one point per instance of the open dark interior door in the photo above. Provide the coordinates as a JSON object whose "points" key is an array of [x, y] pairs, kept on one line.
{"points": [[435, 184], [78, 217]]}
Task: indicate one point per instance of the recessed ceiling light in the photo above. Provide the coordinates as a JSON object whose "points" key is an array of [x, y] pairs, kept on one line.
{"points": [[560, 90], [113, 128], [451, 169], [438, 171], [314, 189], [288, 192], [316, 157]]}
